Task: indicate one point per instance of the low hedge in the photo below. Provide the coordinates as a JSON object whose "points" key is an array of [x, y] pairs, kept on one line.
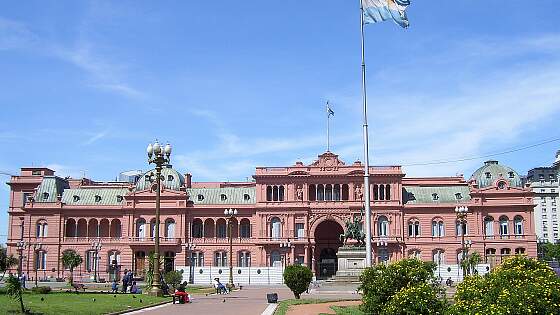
{"points": [[41, 290]]}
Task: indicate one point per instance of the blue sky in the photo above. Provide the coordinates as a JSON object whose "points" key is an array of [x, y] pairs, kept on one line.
{"points": [[238, 84]]}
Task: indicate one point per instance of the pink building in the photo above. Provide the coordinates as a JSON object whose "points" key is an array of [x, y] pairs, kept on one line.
{"points": [[292, 214]]}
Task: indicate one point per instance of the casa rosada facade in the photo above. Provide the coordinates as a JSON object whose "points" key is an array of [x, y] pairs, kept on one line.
{"points": [[286, 215]]}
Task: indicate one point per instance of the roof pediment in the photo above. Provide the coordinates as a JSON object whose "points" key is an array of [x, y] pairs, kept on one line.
{"points": [[328, 161]]}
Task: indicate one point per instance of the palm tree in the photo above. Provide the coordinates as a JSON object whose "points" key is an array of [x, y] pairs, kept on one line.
{"points": [[71, 259], [15, 290]]}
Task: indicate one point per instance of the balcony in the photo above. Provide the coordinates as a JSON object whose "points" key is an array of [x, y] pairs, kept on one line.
{"points": [[86, 239], [220, 240], [151, 240]]}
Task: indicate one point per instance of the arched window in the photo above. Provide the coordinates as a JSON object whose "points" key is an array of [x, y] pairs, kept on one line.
{"points": [[209, 230], [244, 259], [328, 192], [381, 192], [169, 228], [312, 192], [220, 259], [221, 228], [439, 256], [41, 260], [387, 192], [491, 257], [245, 228], [141, 228], [197, 228], [275, 193], [504, 252], [375, 192], [336, 192], [93, 228], [383, 226], [520, 251], [489, 226], [81, 230], [104, 228], [281, 193], [153, 228], [518, 225], [42, 229], [413, 228], [345, 192], [461, 227], [116, 228], [268, 193], [504, 225], [70, 228], [275, 228], [438, 228], [275, 259], [320, 192], [113, 259]]}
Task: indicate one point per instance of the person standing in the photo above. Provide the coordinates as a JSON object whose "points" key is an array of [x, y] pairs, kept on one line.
{"points": [[125, 281]]}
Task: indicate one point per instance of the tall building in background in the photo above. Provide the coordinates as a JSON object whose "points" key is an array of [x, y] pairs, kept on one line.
{"points": [[544, 183]]}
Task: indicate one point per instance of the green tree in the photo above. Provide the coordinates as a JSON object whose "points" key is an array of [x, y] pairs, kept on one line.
{"points": [[173, 278], [297, 278], [470, 262], [549, 251], [71, 259], [14, 289], [380, 283], [520, 285], [6, 262], [422, 298]]}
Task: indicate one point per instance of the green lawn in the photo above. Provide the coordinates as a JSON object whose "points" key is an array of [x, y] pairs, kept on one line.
{"points": [[71, 303], [346, 310]]}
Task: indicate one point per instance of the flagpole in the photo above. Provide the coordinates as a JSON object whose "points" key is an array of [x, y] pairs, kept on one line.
{"points": [[328, 127], [366, 146]]}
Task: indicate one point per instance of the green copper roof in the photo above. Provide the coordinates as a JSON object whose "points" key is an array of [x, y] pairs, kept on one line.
{"points": [[171, 180], [50, 188], [215, 196], [94, 196], [488, 174], [443, 194]]}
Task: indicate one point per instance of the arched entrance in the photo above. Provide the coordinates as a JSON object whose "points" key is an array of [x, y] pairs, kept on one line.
{"points": [[327, 242]]}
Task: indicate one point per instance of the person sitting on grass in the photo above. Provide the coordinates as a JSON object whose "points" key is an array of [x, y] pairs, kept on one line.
{"points": [[115, 286]]}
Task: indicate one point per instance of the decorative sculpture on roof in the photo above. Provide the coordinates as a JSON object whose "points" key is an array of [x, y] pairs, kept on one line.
{"points": [[354, 231], [328, 162]]}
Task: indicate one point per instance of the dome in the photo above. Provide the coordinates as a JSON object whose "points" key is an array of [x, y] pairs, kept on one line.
{"points": [[492, 171], [171, 179]]}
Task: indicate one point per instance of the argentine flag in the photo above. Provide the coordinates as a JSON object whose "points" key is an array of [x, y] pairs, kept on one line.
{"points": [[383, 10]]}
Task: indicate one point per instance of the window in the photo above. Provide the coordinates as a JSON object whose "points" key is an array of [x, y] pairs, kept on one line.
{"points": [[275, 228], [458, 196], [504, 225], [113, 259], [501, 185], [90, 260], [76, 198], [45, 195], [520, 251], [488, 175], [383, 256], [415, 253], [223, 197], [170, 178], [36, 173], [41, 260], [275, 259], [246, 197], [505, 251], [383, 226], [511, 174], [200, 197], [245, 228], [489, 226], [221, 228], [42, 229], [461, 227], [169, 228], [197, 259], [97, 198], [141, 228], [299, 230], [197, 228], [268, 193], [281, 193], [439, 256], [413, 228], [435, 197], [25, 198], [220, 259], [437, 228], [244, 259], [120, 198], [518, 225]]}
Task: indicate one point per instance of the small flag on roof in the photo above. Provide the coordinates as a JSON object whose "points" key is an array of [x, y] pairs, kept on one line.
{"points": [[330, 112], [383, 10]]}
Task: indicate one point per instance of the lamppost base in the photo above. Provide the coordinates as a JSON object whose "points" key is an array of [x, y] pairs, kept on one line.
{"points": [[155, 291]]}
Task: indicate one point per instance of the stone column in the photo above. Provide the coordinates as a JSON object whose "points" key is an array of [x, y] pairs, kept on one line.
{"points": [[313, 259]]}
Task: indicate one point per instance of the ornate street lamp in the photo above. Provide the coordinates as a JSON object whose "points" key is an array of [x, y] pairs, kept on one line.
{"points": [[461, 212], [285, 247], [159, 156], [189, 248], [96, 247], [21, 245], [230, 214]]}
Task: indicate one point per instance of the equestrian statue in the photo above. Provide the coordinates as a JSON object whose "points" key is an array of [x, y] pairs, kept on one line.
{"points": [[354, 231]]}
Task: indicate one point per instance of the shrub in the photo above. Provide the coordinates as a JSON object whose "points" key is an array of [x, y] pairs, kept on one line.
{"points": [[419, 299], [520, 285], [41, 290], [381, 282], [297, 278], [173, 278]]}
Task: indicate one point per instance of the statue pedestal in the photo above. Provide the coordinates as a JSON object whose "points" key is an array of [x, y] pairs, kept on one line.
{"points": [[351, 263]]}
